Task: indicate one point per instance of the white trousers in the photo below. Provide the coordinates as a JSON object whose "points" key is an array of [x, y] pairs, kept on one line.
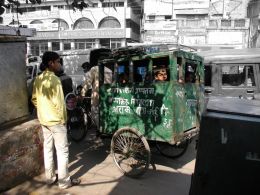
{"points": [[56, 136]]}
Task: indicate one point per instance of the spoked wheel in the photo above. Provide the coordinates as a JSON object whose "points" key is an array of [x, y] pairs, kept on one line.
{"points": [[130, 151], [172, 151]]}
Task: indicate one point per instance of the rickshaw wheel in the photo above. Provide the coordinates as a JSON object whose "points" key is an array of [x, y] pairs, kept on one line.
{"points": [[172, 151], [131, 152]]}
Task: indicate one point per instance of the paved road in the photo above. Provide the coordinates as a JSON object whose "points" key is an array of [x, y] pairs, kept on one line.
{"points": [[91, 161]]}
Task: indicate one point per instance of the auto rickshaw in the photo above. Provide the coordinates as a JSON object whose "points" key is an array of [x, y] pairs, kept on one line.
{"points": [[136, 109]]}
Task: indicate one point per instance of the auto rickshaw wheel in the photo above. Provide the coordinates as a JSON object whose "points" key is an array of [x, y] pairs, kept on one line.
{"points": [[172, 151], [130, 151]]}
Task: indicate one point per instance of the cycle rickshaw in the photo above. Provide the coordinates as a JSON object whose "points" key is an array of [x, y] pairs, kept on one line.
{"points": [[138, 110]]}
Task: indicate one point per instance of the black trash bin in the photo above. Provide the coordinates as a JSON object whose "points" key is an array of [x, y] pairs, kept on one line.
{"points": [[228, 155]]}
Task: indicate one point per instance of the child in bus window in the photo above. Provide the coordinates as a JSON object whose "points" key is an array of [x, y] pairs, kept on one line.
{"points": [[160, 74]]}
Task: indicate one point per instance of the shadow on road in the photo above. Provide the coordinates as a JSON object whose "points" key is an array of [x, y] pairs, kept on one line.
{"points": [[88, 153], [175, 163], [154, 183]]}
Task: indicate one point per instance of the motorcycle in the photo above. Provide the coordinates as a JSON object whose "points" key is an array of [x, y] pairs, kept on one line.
{"points": [[77, 118]]}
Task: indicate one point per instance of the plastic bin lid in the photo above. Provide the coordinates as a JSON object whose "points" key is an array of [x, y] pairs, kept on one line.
{"points": [[234, 106]]}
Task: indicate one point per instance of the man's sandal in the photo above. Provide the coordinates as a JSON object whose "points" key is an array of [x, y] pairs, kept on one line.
{"points": [[75, 182]]}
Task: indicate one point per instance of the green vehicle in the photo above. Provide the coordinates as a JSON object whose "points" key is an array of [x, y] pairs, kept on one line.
{"points": [[139, 109]]}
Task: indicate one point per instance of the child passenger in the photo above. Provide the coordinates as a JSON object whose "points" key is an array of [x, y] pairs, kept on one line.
{"points": [[160, 74]]}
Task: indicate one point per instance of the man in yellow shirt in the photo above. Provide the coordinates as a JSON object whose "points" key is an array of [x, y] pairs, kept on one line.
{"points": [[48, 98]]}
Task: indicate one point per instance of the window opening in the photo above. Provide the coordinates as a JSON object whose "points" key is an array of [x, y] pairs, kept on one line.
{"points": [[109, 22], [179, 70], [123, 72], [168, 17], [106, 71], [55, 46], [67, 46], [240, 23], [208, 75], [161, 69], [140, 70], [237, 76], [225, 23], [84, 23], [190, 72], [151, 17], [84, 44], [115, 43]]}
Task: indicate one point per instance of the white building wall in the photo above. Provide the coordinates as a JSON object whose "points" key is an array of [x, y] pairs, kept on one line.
{"points": [[49, 32], [229, 8], [192, 22]]}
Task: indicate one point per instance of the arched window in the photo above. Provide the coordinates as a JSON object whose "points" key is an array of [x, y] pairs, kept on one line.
{"points": [[62, 24], [83, 23], [36, 22], [109, 22]]}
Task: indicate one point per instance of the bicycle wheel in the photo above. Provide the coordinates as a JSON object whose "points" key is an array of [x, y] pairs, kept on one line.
{"points": [[130, 152], [172, 151]]}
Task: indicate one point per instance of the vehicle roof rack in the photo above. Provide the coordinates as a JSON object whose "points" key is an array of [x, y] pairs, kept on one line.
{"points": [[143, 49], [175, 46]]}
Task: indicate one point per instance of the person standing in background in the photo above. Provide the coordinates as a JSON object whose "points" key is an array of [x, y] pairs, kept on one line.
{"points": [[92, 82], [66, 81]]}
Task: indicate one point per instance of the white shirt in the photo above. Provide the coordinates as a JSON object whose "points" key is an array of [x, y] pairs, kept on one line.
{"points": [[92, 81]]}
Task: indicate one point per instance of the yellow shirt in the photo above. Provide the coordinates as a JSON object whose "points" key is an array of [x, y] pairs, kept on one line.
{"points": [[48, 98]]}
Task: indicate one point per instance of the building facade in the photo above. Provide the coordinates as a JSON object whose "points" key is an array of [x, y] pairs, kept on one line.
{"points": [[114, 23], [91, 24], [201, 23], [254, 15]]}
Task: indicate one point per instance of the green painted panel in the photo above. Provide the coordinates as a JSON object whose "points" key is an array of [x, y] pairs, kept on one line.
{"points": [[147, 108]]}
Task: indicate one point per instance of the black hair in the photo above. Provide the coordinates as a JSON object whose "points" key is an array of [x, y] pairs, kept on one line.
{"points": [[86, 66], [48, 56]]}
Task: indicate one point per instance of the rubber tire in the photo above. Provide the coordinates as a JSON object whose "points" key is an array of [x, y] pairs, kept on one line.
{"points": [[82, 128], [185, 145]]}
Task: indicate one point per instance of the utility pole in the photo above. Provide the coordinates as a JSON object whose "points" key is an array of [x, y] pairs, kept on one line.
{"points": [[172, 9], [125, 8], [224, 15]]}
